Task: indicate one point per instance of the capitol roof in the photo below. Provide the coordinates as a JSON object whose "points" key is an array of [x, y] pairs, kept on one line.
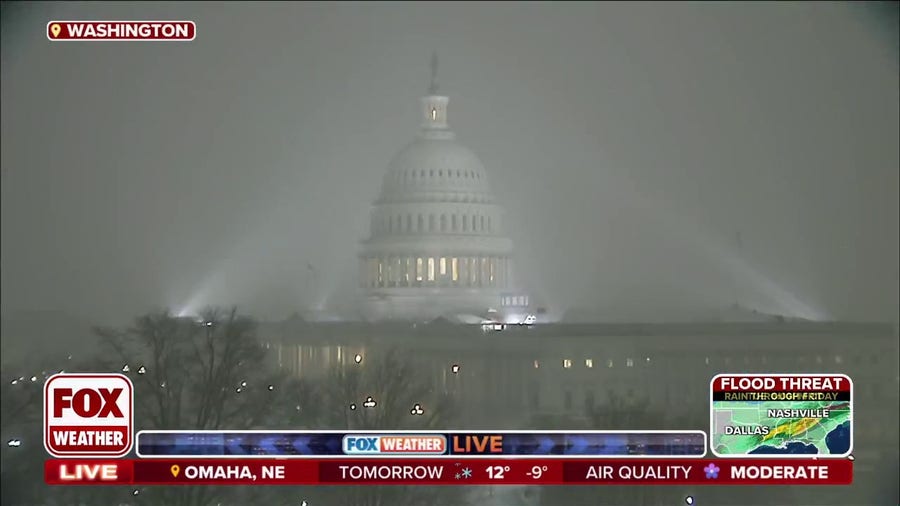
{"points": [[436, 169]]}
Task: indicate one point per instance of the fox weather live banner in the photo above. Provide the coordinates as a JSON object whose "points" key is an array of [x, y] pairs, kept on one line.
{"points": [[334, 444]]}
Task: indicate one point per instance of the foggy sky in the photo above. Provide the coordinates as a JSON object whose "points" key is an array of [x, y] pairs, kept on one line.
{"points": [[629, 143]]}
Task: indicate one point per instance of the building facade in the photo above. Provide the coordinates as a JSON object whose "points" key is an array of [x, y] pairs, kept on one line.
{"points": [[552, 376], [436, 247]]}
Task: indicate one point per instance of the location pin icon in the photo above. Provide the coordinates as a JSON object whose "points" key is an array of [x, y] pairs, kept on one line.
{"points": [[175, 469], [55, 29]]}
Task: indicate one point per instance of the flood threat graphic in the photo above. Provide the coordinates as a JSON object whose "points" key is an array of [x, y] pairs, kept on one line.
{"points": [[781, 427]]}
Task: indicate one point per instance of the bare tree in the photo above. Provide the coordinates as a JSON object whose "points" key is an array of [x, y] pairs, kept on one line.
{"points": [[392, 380], [213, 373], [23, 453], [205, 373], [396, 386]]}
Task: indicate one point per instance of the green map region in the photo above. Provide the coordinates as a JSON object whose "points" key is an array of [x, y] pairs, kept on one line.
{"points": [[781, 427]]}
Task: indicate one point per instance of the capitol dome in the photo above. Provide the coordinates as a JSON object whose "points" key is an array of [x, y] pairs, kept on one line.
{"points": [[436, 246], [439, 169]]}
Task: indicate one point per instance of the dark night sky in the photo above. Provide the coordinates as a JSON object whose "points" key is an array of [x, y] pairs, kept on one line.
{"points": [[629, 143]]}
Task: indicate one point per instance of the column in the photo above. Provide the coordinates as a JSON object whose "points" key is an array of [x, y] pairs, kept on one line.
{"points": [[380, 272], [389, 267], [507, 271]]}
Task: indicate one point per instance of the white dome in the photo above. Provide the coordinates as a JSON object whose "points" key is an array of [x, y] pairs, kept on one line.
{"points": [[435, 169], [435, 244]]}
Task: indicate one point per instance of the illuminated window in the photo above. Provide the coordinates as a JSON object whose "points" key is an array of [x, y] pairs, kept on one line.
{"points": [[589, 362], [430, 269], [567, 363], [609, 363], [629, 362], [433, 114], [454, 268], [537, 364], [443, 266], [419, 269], [492, 266]]}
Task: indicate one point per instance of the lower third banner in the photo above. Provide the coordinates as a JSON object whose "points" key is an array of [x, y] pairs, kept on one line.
{"points": [[449, 471]]}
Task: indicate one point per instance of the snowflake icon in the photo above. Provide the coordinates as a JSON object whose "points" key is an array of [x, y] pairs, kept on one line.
{"points": [[712, 471]]}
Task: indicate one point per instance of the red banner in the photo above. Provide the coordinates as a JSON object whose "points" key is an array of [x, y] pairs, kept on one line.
{"points": [[449, 471], [121, 30]]}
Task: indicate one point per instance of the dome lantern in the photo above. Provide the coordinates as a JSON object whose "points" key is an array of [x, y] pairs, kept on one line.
{"points": [[434, 106]]}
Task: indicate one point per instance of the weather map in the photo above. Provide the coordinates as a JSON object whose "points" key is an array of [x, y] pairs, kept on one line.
{"points": [[781, 415]]}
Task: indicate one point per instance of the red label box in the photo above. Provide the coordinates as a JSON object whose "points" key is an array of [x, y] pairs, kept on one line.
{"points": [[121, 30], [88, 415]]}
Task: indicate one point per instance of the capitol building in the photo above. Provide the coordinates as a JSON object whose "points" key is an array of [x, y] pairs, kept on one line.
{"points": [[436, 246], [436, 266]]}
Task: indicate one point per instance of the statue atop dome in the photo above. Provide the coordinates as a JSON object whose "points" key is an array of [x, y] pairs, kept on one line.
{"points": [[433, 87]]}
